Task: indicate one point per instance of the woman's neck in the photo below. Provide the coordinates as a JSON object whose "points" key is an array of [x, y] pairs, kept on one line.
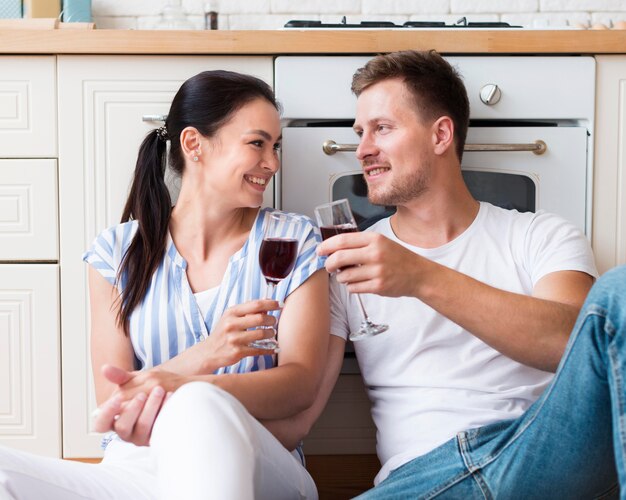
{"points": [[199, 229]]}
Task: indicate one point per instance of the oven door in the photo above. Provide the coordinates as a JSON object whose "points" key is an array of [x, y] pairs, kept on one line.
{"points": [[554, 180]]}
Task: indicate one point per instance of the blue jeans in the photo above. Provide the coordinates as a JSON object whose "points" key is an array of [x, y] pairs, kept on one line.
{"points": [[570, 444]]}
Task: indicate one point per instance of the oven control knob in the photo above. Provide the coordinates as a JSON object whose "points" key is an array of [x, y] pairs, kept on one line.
{"points": [[490, 94]]}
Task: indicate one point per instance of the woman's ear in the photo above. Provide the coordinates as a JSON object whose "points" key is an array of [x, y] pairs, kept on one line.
{"points": [[443, 135], [190, 143]]}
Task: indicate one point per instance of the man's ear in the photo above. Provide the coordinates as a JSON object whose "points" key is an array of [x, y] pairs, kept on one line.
{"points": [[443, 135]]}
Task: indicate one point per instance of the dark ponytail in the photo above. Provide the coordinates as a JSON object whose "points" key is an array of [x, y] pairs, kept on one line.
{"points": [[148, 203], [206, 102]]}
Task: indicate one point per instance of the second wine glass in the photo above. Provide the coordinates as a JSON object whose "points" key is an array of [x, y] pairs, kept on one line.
{"points": [[336, 218], [277, 258]]}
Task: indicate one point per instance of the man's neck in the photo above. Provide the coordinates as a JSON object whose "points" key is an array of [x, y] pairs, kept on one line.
{"points": [[432, 221]]}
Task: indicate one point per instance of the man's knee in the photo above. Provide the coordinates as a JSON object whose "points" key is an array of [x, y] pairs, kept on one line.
{"points": [[610, 289]]}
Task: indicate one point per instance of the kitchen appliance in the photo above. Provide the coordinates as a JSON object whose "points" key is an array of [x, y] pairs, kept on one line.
{"points": [[343, 24], [528, 146]]}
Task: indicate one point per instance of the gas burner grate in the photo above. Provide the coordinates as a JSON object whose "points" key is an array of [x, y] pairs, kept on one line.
{"points": [[461, 23]]}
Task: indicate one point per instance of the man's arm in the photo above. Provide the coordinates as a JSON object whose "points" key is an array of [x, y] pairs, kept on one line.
{"points": [[529, 329], [532, 330]]}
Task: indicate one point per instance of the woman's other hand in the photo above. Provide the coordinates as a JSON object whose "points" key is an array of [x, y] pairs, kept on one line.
{"points": [[131, 417]]}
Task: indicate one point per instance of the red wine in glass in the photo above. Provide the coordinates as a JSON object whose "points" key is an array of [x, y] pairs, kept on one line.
{"points": [[277, 258], [328, 231], [336, 218]]}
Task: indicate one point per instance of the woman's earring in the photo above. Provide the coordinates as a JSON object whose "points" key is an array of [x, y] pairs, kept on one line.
{"points": [[195, 158]]}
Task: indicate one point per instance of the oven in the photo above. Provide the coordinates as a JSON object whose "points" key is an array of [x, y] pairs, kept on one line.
{"points": [[528, 145]]}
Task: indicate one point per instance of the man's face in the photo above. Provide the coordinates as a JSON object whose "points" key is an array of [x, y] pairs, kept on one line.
{"points": [[395, 147]]}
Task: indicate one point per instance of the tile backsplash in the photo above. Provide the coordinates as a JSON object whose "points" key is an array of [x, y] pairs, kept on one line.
{"points": [[273, 14]]}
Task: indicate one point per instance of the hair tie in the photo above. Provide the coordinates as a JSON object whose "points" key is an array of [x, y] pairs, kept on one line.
{"points": [[162, 133]]}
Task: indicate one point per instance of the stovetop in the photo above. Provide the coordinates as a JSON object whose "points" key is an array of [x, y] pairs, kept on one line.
{"points": [[461, 23]]}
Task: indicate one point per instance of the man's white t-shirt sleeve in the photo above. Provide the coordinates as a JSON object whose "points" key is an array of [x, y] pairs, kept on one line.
{"points": [[339, 324], [554, 244]]}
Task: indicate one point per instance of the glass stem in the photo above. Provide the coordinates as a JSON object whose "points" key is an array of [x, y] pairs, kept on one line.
{"points": [[365, 317], [271, 286], [269, 295]]}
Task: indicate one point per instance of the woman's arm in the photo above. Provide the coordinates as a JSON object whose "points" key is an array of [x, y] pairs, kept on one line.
{"points": [[229, 342], [283, 391], [109, 344], [290, 431]]}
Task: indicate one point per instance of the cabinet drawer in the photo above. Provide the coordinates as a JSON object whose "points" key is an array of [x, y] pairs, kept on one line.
{"points": [[28, 120], [28, 210]]}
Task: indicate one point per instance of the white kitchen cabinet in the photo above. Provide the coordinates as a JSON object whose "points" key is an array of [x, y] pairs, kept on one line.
{"points": [[28, 210], [28, 107], [102, 100], [30, 385], [609, 200], [30, 417]]}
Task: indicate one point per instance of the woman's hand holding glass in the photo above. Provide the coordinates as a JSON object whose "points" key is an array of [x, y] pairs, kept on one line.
{"points": [[238, 332]]}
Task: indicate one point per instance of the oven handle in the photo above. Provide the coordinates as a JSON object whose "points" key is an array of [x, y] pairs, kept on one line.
{"points": [[538, 147], [154, 118]]}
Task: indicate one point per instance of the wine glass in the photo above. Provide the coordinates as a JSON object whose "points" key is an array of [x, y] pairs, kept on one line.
{"points": [[277, 257], [336, 218]]}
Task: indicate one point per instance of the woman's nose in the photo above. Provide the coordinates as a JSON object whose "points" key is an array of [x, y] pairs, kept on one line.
{"points": [[271, 162]]}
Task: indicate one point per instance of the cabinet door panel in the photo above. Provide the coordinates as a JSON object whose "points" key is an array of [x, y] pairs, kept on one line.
{"points": [[28, 106], [29, 358], [28, 210], [100, 129], [609, 181]]}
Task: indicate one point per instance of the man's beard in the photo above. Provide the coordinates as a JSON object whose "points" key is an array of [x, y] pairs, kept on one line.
{"points": [[402, 190]]}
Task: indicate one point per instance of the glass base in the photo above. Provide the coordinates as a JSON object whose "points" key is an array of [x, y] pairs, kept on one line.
{"points": [[267, 344], [367, 329]]}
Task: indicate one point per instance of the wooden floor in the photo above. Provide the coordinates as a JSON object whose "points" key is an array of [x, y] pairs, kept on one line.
{"points": [[339, 477]]}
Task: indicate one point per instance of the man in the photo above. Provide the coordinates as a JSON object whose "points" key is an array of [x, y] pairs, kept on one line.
{"points": [[480, 302]]}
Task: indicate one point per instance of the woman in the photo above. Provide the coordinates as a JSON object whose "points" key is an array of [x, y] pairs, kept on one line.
{"points": [[175, 292]]}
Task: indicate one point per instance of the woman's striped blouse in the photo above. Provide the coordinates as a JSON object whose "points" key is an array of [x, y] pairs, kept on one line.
{"points": [[168, 320]]}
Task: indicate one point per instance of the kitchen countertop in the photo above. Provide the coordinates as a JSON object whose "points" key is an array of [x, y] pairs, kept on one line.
{"points": [[293, 41]]}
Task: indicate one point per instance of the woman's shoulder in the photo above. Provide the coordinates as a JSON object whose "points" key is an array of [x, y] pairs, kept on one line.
{"points": [[119, 235]]}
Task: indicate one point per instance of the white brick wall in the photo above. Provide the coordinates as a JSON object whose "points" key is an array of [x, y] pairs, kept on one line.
{"points": [[494, 6], [272, 14]]}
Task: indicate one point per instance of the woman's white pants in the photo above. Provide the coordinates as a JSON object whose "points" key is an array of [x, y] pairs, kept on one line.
{"points": [[205, 445]]}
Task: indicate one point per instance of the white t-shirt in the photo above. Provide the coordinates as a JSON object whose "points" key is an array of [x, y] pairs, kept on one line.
{"points": [[427, 377], [205, 299]]}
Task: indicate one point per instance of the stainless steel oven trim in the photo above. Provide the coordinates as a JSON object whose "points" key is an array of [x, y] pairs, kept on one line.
{"points": [[538, 147]]}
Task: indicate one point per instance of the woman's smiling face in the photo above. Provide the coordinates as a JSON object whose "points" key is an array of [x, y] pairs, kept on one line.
{"points": [[242, 157]]}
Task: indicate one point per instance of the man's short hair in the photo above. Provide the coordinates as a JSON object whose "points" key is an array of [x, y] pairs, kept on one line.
{"points": [[436, 87]]}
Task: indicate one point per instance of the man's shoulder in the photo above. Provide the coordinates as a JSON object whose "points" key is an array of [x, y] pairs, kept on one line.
{"points": [[514, 218], [381, 226]]}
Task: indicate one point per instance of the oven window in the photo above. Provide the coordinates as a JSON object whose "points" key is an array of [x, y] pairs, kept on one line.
{"points": [[353, 187], [511, 191]]}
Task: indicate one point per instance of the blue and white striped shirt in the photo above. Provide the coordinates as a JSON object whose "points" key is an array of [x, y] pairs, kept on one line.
{"points": [[168, 320]]}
